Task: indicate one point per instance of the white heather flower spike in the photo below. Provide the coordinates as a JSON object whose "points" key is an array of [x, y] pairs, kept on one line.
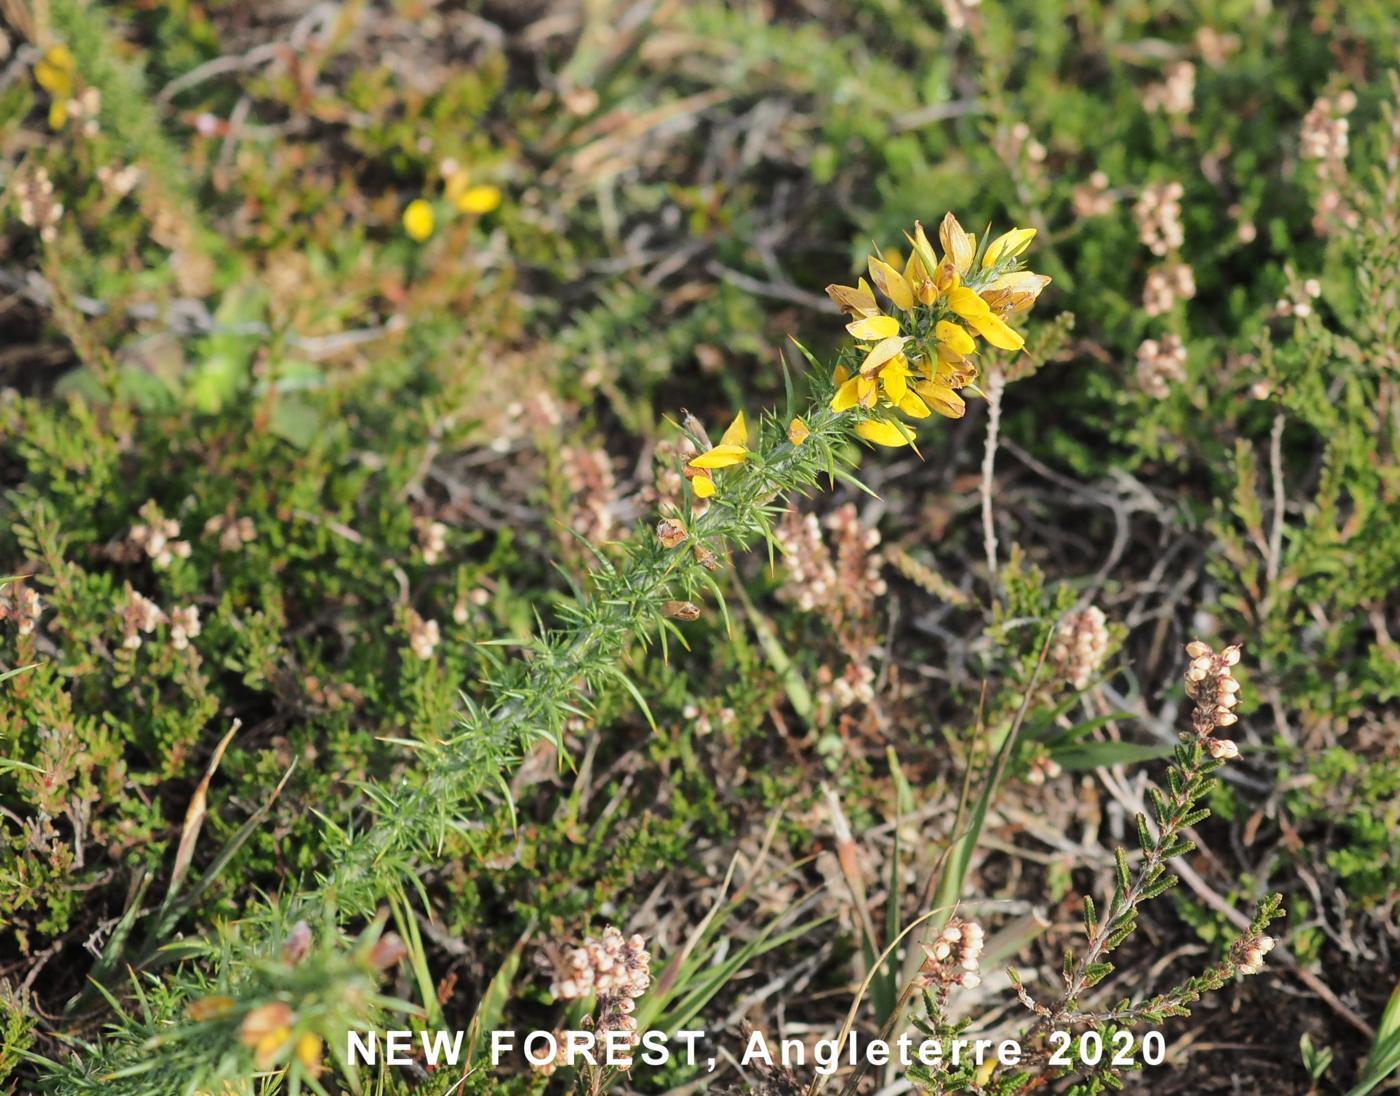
{"points": [[1210, 683], [1081, 642]]}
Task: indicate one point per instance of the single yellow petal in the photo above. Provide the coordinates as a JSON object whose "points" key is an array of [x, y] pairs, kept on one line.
{"points": [[703, 486], [958, 246], [308, 1051], [885, 432], [859, 301], [993, 328], [721, 456], [58, 113], [269, 1048], [882, 352], [913, 269], [942, 399], [839, 375], [479, 199], [846, 395], [913, 406], [923, 249], [867, 388], [954, 337], [418, 220], [891, 283], [737, 433], [798, 432], [874, 328], [1006, 245], [1014, 292], [896, 382], [966, 303]]}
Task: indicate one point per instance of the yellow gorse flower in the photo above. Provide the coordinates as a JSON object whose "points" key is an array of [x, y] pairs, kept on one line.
{"points": [[418, 220], [56, 73], [733, 448], [475, 199], [915, 357]]}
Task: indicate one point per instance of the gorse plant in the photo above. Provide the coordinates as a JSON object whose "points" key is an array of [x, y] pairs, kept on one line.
{"points": [[636, 593]]}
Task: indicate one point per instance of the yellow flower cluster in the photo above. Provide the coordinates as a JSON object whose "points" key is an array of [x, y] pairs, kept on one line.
{"points": [[56, 72], [468, 198], [916, 357]]}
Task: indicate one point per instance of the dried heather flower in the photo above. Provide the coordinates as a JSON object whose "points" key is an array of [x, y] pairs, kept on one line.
{"points": [[1211, 684], [1092, 199], [1248, 952], [593, 487], [423, 635], [22, 605], [1081, 641], [1166, 285], [560, 1059], [38, 208], [1176, 94], [85, 109], [184, 626], [961, 14], [119, 182], [1161, 365], [853, 687], [1325, 133], [842, 580], [670, 456], [616, 969], [157, 536], [953, 957], [432, 539], [138, 614], [1324, 140], [1042, 767], [233, 532], [1158, 215]]}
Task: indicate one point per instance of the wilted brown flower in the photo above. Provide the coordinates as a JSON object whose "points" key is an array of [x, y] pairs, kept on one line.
{"points": [[670, 533]]}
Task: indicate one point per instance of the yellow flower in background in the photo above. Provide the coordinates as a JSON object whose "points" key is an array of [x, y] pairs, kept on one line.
{"points": [[479, 199], [466, 198], [418, 220], [308, 1052], [733, 448], [267, 1030], [55, 72]]}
